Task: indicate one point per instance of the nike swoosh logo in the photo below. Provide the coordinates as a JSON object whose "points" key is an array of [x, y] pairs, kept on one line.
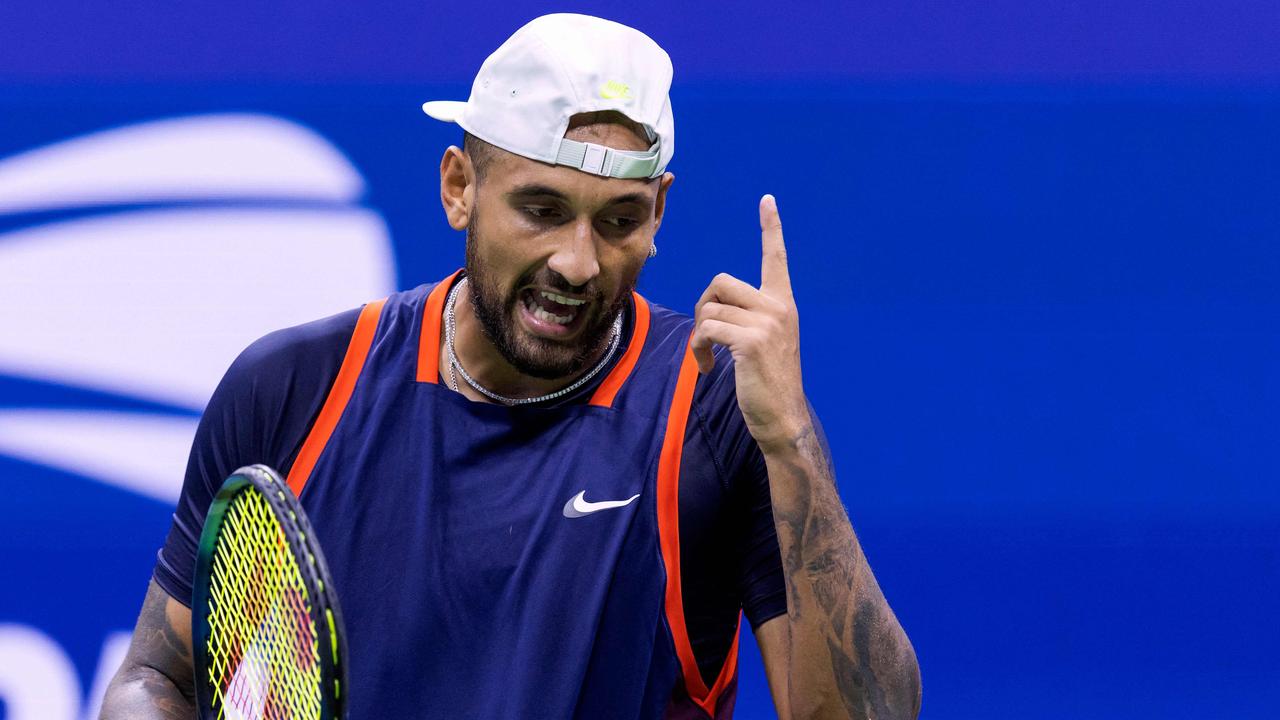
{"points": [[579, 506]]}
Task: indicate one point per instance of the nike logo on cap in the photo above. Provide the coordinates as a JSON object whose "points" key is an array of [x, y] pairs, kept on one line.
{"points": [[579, 506], [615, 90]]}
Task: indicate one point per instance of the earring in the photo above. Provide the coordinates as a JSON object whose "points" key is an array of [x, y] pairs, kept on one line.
{"points": [[653, 250]]}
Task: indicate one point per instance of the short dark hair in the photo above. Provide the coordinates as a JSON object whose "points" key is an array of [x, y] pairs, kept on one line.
{"points": [[480, 152]]}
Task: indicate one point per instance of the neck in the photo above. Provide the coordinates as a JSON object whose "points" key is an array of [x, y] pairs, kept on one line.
{"points": [[481, 359]]}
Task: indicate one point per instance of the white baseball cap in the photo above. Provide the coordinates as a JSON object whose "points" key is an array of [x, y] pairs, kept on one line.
{"points": [[558, 66]]}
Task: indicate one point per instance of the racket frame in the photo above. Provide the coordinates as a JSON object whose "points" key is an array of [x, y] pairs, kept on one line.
{"points": [[303, 545]]}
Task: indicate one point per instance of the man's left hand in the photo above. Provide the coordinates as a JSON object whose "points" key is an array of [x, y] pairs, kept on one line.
{"points": [[762, 329]]}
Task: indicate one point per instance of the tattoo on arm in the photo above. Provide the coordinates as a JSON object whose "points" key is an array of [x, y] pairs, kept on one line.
{"points": [[834, 600], [156, 679]]}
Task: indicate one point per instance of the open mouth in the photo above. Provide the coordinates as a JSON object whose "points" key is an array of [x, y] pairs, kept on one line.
{"points": [[552, 314]]}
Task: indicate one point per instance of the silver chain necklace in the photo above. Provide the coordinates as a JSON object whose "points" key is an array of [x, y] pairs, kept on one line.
{"points": [[455, 367]]}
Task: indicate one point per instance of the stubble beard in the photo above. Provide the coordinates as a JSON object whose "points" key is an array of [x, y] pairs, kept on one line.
{"points": [[535, 356]]}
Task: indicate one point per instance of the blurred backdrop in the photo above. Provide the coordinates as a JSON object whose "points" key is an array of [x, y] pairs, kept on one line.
{"points": [[1034, 247]]}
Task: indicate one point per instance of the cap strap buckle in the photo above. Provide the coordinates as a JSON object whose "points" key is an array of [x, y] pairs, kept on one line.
{"points": [[607, 162]]}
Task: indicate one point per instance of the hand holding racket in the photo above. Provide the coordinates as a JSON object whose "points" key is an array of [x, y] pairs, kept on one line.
{"points": [[266, 631]]}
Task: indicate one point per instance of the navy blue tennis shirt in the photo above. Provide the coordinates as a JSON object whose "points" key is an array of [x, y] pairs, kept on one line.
{"points": [[442, 518]]}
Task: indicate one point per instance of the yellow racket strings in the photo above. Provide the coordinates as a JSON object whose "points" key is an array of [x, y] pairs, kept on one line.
{"points": [[263, 650]]}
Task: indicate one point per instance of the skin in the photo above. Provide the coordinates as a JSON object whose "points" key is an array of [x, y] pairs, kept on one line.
{"points": [[568, 231], [156, 680], [839, 652]]}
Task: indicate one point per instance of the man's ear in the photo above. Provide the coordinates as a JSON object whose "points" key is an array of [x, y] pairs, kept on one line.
{"points": [[660, 203], [457, 187]]}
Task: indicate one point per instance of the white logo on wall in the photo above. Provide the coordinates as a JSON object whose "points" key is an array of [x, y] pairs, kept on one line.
{"points": [[249, 223]]}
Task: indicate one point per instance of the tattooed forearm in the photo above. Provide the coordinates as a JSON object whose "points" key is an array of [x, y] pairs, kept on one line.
{"points": [[849, 656], [155, 680]]}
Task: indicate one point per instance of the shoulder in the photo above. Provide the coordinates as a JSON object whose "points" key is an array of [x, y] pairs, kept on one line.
{"points": [[259, 413], [284, 368], [668, 329], [714, 413], [716, 391], [281, 348], [266, 401], [321, 339], [297, 362]]}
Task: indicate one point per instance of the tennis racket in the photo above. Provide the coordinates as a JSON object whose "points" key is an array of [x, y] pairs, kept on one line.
{"points": [[267, 634]]}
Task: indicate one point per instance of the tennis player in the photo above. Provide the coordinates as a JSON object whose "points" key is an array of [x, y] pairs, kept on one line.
{"points": [[541, 495]]}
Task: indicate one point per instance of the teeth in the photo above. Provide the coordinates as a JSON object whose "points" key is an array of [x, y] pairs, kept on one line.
{"points": [[545, 316], [561, 299]]}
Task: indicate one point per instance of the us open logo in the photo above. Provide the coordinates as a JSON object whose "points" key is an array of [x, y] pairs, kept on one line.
{"points": [[135, 264]]}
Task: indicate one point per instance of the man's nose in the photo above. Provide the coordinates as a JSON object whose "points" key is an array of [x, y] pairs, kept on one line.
{"points": [[575, 260]]}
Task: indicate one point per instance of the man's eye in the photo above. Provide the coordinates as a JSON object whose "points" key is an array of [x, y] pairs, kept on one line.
{"points": [[540, 212], [623, 223]]}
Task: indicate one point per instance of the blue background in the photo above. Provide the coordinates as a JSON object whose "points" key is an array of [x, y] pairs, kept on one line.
{"points": [[1034, 250]]}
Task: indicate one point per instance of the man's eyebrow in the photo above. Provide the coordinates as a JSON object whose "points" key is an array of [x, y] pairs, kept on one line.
{"points": [[534, 190], [638, 198]]}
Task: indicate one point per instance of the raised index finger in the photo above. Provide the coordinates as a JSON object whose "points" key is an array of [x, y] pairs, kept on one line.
{"points": [[775, 279]]}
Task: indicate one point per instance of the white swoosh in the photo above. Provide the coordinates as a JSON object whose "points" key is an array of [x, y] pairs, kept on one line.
{"points": [[142, 452], [198, 157], [579, 505], [156, 304]]}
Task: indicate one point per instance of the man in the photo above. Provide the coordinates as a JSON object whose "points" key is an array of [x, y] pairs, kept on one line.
{"points": [[540, 495]]}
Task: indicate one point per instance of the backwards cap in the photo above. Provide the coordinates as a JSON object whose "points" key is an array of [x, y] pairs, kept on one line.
{"points": [[558, 66]]}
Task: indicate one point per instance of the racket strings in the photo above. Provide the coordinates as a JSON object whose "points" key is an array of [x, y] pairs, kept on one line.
{"points": [[263, 647]]}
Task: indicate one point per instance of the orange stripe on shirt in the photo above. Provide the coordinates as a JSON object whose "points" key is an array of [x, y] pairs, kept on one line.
{"points": [[603, 396], [727, 672], [339, 394], [669, 541], [429, 337]]}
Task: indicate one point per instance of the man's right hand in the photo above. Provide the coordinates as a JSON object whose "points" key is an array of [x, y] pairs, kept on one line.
{"points": [[156, 679]]}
